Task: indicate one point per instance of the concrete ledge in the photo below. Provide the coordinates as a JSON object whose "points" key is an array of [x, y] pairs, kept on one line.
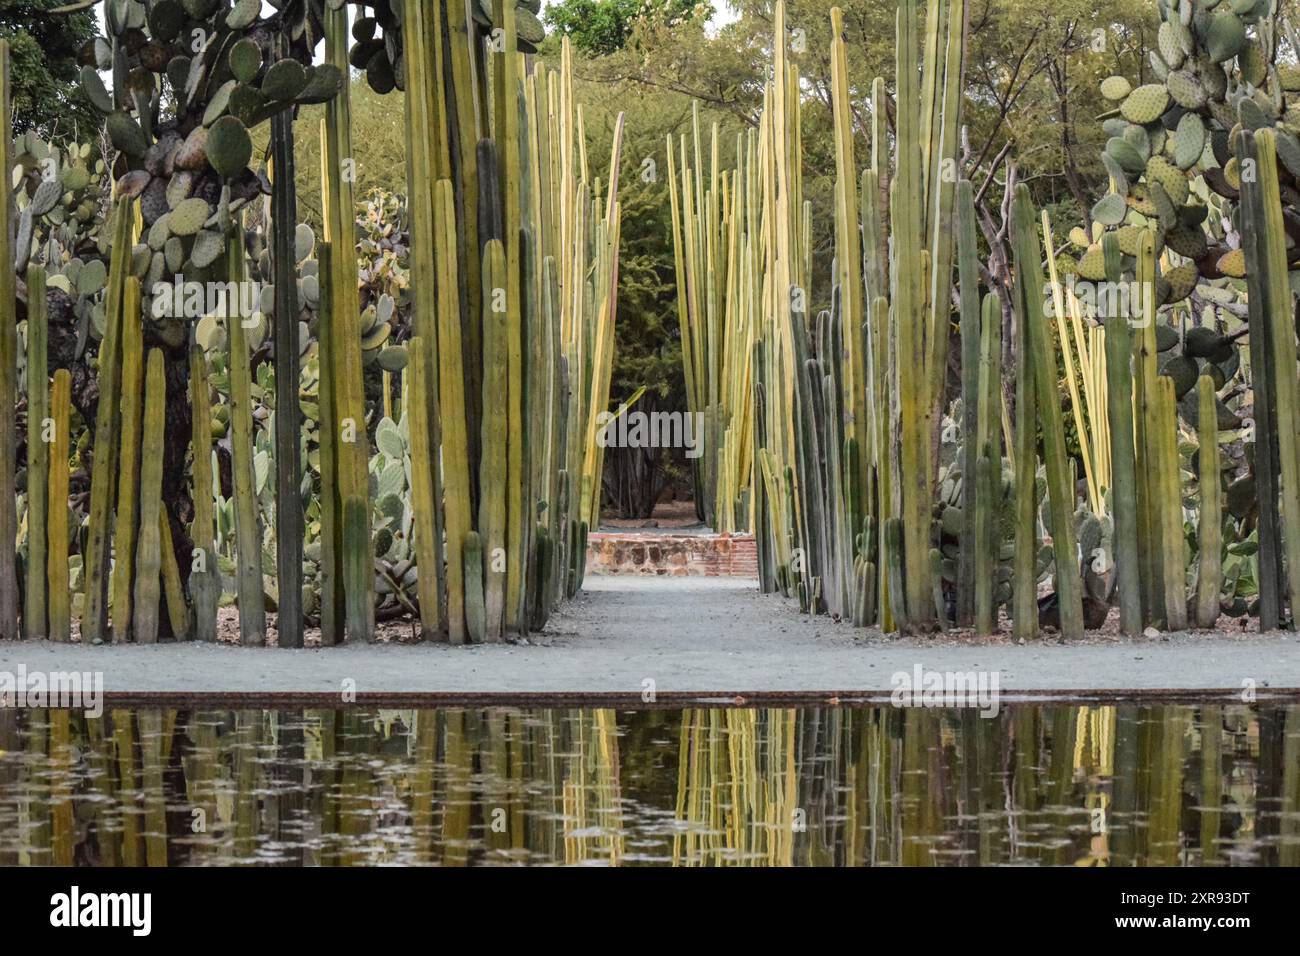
{"points": [[711, 639]]}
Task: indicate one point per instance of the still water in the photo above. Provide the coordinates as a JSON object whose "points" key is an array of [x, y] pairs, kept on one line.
{"points": [[1038, 784]]}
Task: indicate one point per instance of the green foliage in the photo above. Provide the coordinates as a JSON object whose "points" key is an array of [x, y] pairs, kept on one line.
{"points": [[647, 348], [601, 27], [43, 71]]}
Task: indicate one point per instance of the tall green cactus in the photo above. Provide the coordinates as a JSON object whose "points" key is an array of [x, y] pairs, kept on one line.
{"points": [[35, 625], [1146, 430], [427, 545], [288, 416], [330, 579], [8, 368], [1024, 582], [988, 467], [148, 557], [1272, 313], [104, 465], [1169, 500], [972, 398], [455, 437], [513, 266], [1209, 537], [825, 427], [1060, 485], [493, 510], [60, 587], [128, 486], [1123, 467], [205, 576], [248, 526], [343, 360]]}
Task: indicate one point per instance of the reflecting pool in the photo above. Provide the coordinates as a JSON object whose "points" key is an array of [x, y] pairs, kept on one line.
{"points": [[1051, 784]]}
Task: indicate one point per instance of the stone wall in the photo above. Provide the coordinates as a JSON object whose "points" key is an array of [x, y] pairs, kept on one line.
{"points": [[709, 555]]}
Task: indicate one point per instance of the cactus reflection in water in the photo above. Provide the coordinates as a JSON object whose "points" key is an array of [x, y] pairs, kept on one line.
{"points": [[707, 786]]}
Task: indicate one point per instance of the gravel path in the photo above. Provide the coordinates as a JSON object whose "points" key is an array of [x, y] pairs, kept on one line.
{"points": [[702, 636]]}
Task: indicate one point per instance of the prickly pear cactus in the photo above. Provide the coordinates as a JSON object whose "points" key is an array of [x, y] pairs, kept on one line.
{"points": [[1219, 69], [190, 80], [1170, 154]]}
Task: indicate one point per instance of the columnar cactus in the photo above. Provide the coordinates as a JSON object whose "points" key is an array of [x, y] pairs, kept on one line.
{"points": [[128, 486], [60, 588], [8, 369], [205, 576], [35, 620], [248, 526], [94, 617], [148, 557], [822, 426], [1209, 536], [1123, 467], [1060, 483]]}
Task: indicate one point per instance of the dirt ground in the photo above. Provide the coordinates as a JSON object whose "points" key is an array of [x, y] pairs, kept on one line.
{"points": [[702, 636]]}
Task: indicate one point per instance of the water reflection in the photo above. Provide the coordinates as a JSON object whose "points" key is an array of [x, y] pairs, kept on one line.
{"points": [[1063, 785]]}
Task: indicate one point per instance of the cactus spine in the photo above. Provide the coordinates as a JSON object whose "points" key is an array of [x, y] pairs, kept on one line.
{"points": [[1209, 571], [60, 591], [38, 453], [148, 558]]}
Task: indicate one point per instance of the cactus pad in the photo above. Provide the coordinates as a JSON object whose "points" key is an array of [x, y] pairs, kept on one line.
{"points": [[1115, 88], [229, 146], [188, 217]]}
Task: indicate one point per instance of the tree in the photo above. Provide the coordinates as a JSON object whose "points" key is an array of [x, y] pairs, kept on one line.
{"points": [[43, 49], [601, 27], [647, 350]]}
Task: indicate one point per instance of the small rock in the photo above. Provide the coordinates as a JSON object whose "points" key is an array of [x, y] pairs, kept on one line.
{"points": [[1150, 632]]}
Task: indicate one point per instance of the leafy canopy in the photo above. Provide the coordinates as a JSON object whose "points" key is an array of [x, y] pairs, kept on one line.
{"points": [[601, 27]]}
